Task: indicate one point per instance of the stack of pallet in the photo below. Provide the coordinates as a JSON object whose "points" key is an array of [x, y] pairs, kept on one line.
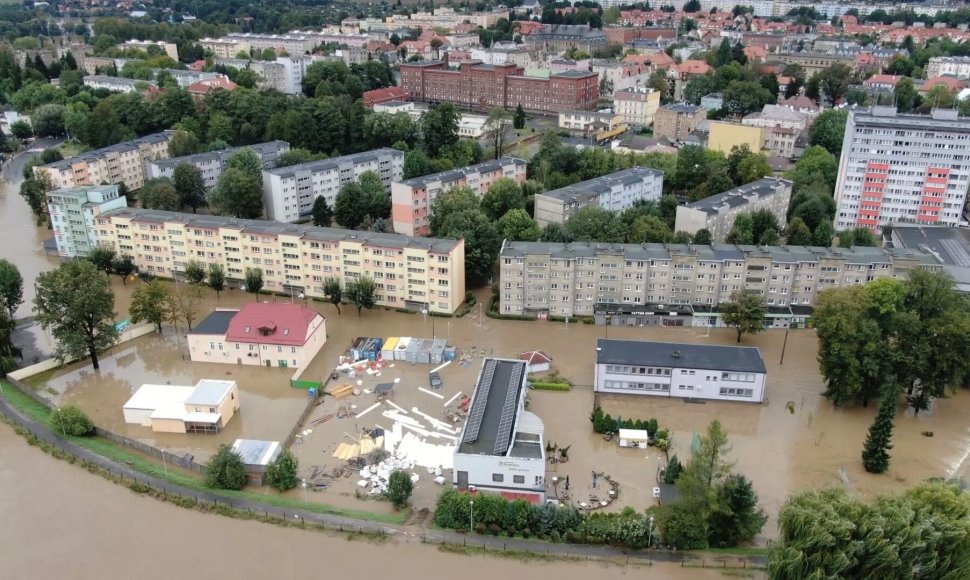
{"points": [[340, 391]]}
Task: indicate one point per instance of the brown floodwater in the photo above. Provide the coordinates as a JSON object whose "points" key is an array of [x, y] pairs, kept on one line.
{"points": [[22, 241], [61, 521]]}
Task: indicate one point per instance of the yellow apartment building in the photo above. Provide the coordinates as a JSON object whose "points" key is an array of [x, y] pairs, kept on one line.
{"points": [[725, 136]]}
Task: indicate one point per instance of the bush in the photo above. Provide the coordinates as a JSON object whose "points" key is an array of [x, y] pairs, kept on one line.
{"points": [[479, 528], [226, 470], [281, 473], [543, 386], [470, 299], [555, 537], [495, 529], [69, 420], [399, 488]]}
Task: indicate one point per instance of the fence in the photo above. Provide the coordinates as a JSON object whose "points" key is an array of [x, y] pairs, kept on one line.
{"points": [[310, 404], [183, 461]]}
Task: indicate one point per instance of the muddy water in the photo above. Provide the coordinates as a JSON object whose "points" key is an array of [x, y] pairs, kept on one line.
{"points": [[50, 509], [22, 241]]}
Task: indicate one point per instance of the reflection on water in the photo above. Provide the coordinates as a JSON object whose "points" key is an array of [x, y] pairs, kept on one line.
{"points": [[23, 241]]}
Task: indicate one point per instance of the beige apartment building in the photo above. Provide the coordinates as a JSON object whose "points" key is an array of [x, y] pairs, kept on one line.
{"points": [[413, 273], [225, 47], [717, 213], [637, 106], [676, 121], [119, 163], [169, 48], [552, 279]]}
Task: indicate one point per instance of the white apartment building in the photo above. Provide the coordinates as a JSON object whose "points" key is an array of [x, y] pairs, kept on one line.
{"points": [[169, 48], [717, 212], [289, 192], [213, 163], [294, 45], [272, 75], [502, 53], [899, 168], [636, 106], [614, 192], [117, 84], [184, 78], [589, 120], [501, 448], [551, 279], [118, 163], [294, 69], [689, 371], [414, 273], [958, 66], [73, 211], [225, 47]]}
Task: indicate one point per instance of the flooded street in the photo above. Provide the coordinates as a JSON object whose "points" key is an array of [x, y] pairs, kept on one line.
{"points": [[50, 508]]}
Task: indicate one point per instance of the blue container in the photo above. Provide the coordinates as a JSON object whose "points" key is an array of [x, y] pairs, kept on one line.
{"points": [[311, 393]]}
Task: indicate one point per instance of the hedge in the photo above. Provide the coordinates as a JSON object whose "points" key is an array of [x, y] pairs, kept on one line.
{"points": [[540, 386], [492, 311]]}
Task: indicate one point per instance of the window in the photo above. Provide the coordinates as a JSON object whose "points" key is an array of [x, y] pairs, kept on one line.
{"points": [[518, 479], [498, 477], [293, 362]]}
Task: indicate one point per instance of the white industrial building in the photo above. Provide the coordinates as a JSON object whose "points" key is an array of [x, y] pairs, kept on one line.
{"points": [[615, 192], [690, 371], [501, 448]]}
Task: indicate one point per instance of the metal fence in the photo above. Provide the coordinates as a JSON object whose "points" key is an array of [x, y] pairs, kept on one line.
{"points": [[310, 404]]}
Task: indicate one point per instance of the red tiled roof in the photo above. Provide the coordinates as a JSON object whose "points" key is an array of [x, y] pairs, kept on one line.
{"points": [[273, 323], [951, 83], [882, 80], [378, 96], [535, 356], [203, 87]]}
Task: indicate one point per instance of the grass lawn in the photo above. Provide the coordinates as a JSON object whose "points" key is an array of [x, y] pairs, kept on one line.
{"points": [[740, 551], [69, 149], [143, 464]]}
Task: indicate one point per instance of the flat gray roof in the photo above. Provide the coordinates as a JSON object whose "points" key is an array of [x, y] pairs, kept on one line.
{"points": [[453, 175], [215, 323], [116, 148], [497, 386], [208, 392], [261, 149], [334, 162], [681, 108], [593, 188], [255, 452], [745, 359], [765, 187]]}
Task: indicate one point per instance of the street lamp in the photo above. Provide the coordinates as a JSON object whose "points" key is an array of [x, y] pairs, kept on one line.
{"points": [[306, 499], [471, 527], [651, 532]]}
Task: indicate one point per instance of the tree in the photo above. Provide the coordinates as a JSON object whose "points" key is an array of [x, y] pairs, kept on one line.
{"points": [[160, 193], [361, 291], [857, 237], [22, 130], [321, 213], [518, 226], [703, 237], [519, 119], [11, 287], [247, 161], [75, 303], [416, 164], [737, 517], [745, 312], [875, 453], [753, 168], [281, 473], [190, 185], [828, 130], [217, 278], [296, 156], [503, 195], [70, 420], [744, 97], [48, 120], [497, 124], [183, 143], [823, 234], [742, 230], [34, 191], [195, 272], [904, 94], [798, 233], [595, 224], [103, 258], [648, 229], [9, 353], [333, 290], [254, 281], [150, 303], [440, 127], [123, 266], [184, 303], [50, 156], [225, 470], [399, 488], [237, 194]]}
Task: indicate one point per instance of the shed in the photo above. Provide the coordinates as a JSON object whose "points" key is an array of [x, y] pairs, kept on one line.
{"points": [[256, 456], [537, 361], [633, 438], [384, 389], [149, 399], [411, 355], [424, 351], [438, 350], [400, 351], [388, 349]]}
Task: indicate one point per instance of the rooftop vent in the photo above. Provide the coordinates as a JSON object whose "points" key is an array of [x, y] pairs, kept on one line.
{"points": [[675, 354]]}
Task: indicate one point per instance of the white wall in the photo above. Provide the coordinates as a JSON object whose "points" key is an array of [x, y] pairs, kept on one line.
{"points": [[684, 382], [480, 469]]}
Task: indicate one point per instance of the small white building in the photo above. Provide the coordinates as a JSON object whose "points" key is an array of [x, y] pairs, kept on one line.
{"points": [[691, 371], [636, 438], [471, 126], [501, 449], [537, 361], [206, 407]]}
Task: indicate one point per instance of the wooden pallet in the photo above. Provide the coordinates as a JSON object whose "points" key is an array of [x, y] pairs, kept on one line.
{"points": [[340, 391]]}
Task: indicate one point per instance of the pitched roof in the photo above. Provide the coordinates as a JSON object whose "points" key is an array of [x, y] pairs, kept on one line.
{"points": [[535, 357], [951, 83], [383, 95], [204, 86], [271, 323]]}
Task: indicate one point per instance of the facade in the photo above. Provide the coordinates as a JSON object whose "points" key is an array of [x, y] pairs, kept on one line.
{"points": [[117, 84], [726, 136], [169, 48], [73, 210], [294, 68], [899, 168], [272, 75], [273, 334], [295, 45], [207, 407], [676, 121], [717, 212], [118, 163], [781, 128], [411, 200], [413, 273], [592, 123], [501, 448], [289, 192], [225, 47], [213, 163], [479, 86], [551, 279], [690, 371], [958, 66], [615, 192], [186, 78], [636, 106], [380, 96], [556, 38]]}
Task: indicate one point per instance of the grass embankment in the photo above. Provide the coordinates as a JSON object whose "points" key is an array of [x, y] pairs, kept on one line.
{"points": [[143, 464]]}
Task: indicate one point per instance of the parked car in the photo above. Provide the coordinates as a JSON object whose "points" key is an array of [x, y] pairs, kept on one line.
{"points": [[435, 379]]}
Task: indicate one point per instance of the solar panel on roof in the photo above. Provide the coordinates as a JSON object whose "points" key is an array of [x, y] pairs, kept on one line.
{"points": [[504, 434], [477, 412]]}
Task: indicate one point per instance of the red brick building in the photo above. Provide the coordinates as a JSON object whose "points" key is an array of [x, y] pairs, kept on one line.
{"points": [[480, 86]]}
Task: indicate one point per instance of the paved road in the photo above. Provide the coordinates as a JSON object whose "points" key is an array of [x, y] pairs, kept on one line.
{"points": [[13, 169]]}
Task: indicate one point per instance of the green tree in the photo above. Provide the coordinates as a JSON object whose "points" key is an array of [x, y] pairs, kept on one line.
{"points": [[150, 303], [753, 168], [745, 312], [497, 124], [160, 193], [745, 97], [281, 473], [456, 215], [595, 224], [296, 156], [798, 233], [703, 237], [440, 127], [517, 225], [321, 214], [247, 161], [742, 231], [10, 354], [399, 488], [48, 120], [216, 278], [190, 185], [875, 453], [828, 130], [519, 119], [225, 470], [362, 292], [183, 143], [195, 272], [904, 94], [736, 519], [416, 164], [237, 194], [503, 195], [11, 287], [254, 281], [334, 291], [75, 303], [34, 191], [823, 234], [70, 420], [22, 130], [857, 237], [648, 229], [103, 258]]}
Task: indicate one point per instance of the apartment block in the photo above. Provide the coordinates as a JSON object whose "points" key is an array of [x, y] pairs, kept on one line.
{"points": [[73, 211], [119, 163], [272, 75], [614, 192], [899, 168], [294, 44], [409, 272], [294, 68], [289, 192], [725, 136], [481, 86], [169, 49], [225, 47], [781, 126], [117, 84], [675, 122], [213, 163], [637, 106], [411, 200], [550, 279], [958, 66], [717, 212]]}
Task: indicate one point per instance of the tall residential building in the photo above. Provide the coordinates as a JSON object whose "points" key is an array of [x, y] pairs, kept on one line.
{"points": [[411, 200], [225, 47], [549, 279], [637, 106], [73, 211], [958, 66], [615, 192], [117, 84], [119, 163], [212, 163], [413, 273], [169, 49], [481, 86], [903, 168], [294, 67], [272, 74], [716, 213], [289, 192], [675, 122]]}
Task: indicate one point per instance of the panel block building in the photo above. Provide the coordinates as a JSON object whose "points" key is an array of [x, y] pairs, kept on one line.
{"points": [[212, 163], [615, 192], [119, 163], [717, 212], [73, 211]]}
